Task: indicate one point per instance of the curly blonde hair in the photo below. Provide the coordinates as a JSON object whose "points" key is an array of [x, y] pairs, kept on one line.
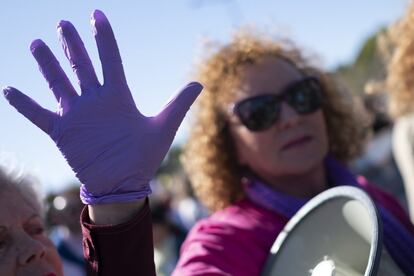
{"points": [[400, 78], [209, 155]]}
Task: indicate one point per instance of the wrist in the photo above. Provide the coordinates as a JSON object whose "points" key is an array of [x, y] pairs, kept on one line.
{"points": [[115, 213]]}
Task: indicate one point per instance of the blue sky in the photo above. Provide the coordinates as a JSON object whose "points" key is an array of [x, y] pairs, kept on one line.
{"points": [[159, 42]]}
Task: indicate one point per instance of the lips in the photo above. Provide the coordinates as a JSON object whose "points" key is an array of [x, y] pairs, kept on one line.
{"points": [[50, 274], [297, 142]]}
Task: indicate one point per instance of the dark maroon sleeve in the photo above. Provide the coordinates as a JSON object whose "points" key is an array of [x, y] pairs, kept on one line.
{"points": [[123, 249]]}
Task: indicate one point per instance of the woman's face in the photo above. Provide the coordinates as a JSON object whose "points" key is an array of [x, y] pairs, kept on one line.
{"points": [[24, 247], [295, 144]]}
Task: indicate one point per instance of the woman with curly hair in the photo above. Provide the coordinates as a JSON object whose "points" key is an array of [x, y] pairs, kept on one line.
{"points": [[400, 86], [271, 131]]}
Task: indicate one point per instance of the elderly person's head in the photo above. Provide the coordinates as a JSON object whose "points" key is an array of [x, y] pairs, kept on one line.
{"points": [[24, 247], [265, 110]]}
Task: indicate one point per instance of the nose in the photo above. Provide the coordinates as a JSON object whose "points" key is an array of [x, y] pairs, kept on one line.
{"points": [[31, 250], [288, 117]]}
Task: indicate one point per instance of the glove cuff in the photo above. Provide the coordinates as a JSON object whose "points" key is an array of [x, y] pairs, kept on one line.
{"points": [[91, 199]]}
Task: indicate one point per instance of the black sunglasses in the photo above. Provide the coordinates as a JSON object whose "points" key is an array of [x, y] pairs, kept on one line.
{"points": [[261, 112]]}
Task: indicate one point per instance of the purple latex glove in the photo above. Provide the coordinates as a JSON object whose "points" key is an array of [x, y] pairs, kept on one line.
{"points": [[113, 149]]}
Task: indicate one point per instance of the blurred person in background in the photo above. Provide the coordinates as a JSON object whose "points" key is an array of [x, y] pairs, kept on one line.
{"points": [[377, 162], [167, 237], [63, 213], [186, 209], [400, 85]]}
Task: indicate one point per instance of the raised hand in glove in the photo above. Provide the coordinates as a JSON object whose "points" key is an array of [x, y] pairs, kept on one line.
{"points": [[113, 149]]}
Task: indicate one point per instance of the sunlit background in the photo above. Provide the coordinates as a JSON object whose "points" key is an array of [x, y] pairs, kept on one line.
{"points": [[159, 42]]}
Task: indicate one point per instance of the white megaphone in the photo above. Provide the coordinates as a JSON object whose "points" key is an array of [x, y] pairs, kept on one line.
{"points": [[338, 232]]}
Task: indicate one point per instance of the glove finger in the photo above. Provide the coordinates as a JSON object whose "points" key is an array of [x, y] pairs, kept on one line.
{"points": [[77, 55], [112, 68], [175, 110], [39, 116], [53, 73]]}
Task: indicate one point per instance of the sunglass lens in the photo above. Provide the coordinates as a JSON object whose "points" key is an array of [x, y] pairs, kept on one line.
{"points": [[258, 113], [306, 97]]}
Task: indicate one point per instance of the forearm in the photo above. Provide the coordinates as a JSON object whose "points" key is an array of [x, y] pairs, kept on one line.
{"points": [[124, 248]]}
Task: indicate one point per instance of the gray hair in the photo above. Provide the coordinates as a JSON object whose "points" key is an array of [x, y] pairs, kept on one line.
{"points": [[24, 184]]}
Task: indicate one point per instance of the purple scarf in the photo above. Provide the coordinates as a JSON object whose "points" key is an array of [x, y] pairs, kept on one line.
{"points": [[397, 239]]}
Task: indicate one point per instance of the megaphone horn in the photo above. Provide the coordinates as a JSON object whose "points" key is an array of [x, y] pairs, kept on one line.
{"points": [[338, 232]]}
